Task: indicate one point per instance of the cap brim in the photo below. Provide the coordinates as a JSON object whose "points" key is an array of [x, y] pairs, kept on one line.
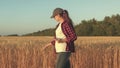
{"points": [[52, 16]]}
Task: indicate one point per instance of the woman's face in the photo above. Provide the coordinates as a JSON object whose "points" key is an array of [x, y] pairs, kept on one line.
{"points": [[57, 18]]}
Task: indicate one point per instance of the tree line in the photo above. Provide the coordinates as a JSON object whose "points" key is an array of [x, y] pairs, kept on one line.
{"points": [[109, 26]]}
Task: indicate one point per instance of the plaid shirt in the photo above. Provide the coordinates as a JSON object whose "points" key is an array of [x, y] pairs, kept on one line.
{"points": [[70, 34]]}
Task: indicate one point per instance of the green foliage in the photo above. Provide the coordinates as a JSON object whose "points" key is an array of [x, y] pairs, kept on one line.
{"points": [[13, 35], [110, 26], [46, 32]]}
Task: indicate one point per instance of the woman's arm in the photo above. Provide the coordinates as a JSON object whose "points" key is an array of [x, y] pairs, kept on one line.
{"points": [[69, 32], [61, 40], [53, 41], [49, 44]]}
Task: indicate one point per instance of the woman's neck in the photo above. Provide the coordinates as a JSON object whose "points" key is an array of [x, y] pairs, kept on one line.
{"points": [[61, 21]]}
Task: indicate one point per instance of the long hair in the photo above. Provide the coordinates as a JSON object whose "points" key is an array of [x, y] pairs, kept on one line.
{"points": [[65, 16]]}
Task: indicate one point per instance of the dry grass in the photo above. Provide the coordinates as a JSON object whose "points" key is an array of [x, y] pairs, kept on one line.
{"points": [[91, 52]]}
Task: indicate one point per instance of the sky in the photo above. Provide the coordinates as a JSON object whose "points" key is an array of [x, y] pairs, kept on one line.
{"points": [[27, 16]]}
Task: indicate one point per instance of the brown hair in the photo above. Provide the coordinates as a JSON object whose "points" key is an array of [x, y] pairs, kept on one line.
{"points": [[65, 16]]}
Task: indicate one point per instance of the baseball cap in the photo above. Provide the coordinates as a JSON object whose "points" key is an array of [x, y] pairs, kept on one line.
{"points": [[57, 11]]}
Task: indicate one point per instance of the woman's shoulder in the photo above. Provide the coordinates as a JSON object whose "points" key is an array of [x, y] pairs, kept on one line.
{"points": [[66, 24]]}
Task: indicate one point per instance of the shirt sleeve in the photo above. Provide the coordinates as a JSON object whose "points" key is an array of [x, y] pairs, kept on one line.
{"points": [[69, 32]]}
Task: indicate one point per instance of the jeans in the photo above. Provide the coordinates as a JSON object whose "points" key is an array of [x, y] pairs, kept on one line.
{"points": [[63, 60]]}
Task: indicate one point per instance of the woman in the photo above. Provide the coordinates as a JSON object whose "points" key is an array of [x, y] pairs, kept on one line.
{"points": [[64, 38]]}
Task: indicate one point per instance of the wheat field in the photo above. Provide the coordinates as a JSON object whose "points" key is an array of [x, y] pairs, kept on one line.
{"points": [[91, 52]]}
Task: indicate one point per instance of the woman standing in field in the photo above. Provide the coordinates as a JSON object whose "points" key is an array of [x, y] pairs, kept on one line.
{"points": [[64, 38]]}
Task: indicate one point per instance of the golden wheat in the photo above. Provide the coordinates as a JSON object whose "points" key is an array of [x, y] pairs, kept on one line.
{"points": [[91, 52]]}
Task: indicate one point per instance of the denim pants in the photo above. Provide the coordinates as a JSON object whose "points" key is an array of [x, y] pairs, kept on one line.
{"points": [[63, 60]]}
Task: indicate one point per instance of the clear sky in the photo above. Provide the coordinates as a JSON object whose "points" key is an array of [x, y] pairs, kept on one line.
{"points": [[27, 16]]}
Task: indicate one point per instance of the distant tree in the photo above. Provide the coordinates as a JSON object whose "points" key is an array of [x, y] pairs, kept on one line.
{"points": [[107, 19], [110, 30], [77, 29], [84, 29], [46, 32], [117, 28], [98, 30], [13, 35]]}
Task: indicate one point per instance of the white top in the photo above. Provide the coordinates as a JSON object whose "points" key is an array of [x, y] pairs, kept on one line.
{"points": [[60, 47]]}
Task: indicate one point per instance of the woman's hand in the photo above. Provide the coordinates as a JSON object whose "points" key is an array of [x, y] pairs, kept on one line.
{"points": [[61, 40], [49, 44]]}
